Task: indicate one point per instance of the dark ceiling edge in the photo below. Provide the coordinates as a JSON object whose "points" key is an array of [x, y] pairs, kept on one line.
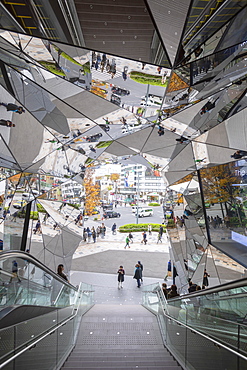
{"points": [[82, 47], [180, 44], [157, 31]]}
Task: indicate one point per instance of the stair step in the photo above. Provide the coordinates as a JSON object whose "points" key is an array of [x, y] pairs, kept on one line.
{"points": [[121, 351], [120, 366], [78, 364], [114, 357], [132, 349]]}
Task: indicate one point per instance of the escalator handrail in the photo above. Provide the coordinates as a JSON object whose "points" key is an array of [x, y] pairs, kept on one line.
{"points": [[36, 262], [165, 304], [215, 289], [49, 332]]}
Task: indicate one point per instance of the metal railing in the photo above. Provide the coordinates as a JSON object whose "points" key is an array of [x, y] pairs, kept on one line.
{"points": [[26, 281], [201, 327], [50, 337]]}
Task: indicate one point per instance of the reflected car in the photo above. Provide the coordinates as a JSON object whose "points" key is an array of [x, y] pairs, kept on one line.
{"points": [[107, 207], [94, 212], [94, 138], [118, 91], [127, 129], [30, 196], [115, 99], [151, 100], [19, 204], [111, 214]]}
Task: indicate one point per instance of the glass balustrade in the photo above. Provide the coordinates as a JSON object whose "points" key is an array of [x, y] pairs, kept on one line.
{"points": [[219, 315], [24, 282], [57, 330]]}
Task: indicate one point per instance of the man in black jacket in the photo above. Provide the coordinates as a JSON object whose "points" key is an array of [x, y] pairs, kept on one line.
{"points": [[13, 108], [6, 123]]}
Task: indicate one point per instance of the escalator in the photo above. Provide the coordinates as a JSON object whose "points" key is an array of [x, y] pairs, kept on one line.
{"points": [[213, 321], [40, 313]]}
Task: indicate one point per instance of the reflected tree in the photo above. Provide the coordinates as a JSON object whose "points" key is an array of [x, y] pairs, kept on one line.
{"points": [[218, 188], [92, 192]]}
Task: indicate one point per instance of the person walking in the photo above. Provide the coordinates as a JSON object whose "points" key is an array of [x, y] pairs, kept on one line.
{"points": [[131, 237], [120, 278], [80, 219], [127, 240], [141, 267], [161, 230], [37, 228], [150, 229], [13, 108], [45, 218], [84, 234], [144, 238], [174, 274], [98, 231], [7, 123], [169, 269], [205, 278], [159, 238], [103, 230], [227, 221], [89, 234], [14, 272], [15, 214], [77, 219], [137, 275], [124, 73], [94, 235], [113, 229]]}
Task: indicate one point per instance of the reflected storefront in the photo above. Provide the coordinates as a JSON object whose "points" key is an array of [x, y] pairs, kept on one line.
{"points": [[225, 195]]}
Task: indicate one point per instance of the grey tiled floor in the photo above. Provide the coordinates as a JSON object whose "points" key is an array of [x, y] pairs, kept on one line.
{"points": [[118, 332], [106, 287], [108, 262]]}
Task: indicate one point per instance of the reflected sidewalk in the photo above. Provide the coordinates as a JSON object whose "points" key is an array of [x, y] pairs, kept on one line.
{"points": [[117, 242]]}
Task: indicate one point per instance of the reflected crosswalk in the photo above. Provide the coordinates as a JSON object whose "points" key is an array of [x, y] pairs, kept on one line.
{"points": [[104, 76]]}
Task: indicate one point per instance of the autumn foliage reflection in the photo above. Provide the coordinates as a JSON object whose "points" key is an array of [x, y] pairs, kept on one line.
{"points": [[92, 192]]}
